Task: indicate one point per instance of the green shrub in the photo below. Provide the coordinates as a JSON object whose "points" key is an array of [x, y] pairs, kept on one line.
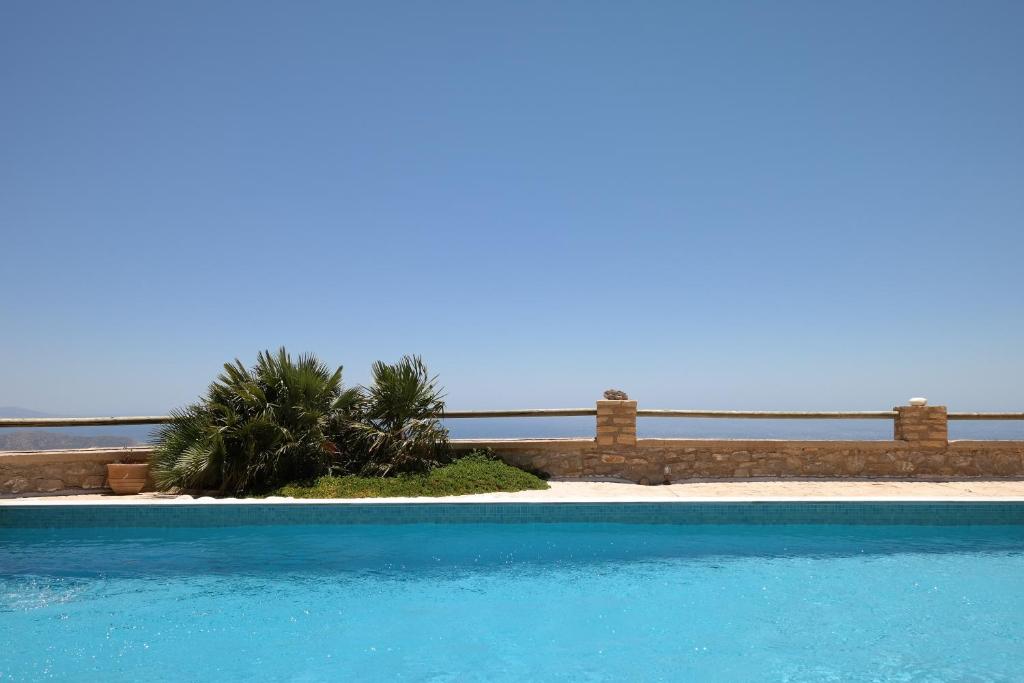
{"points": [[475, 473], [283, 420], [396, 427], [256, 428]]}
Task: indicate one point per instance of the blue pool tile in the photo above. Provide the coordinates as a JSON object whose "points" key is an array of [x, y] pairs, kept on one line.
{"points": [[683, 512]]}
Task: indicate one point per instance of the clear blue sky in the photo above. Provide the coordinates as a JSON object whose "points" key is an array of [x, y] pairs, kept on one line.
{"points": [[709, 204]]}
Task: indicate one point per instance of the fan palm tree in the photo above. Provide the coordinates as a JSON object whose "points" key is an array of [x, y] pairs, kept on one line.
{"points": [[399, 428], [257, 427]]}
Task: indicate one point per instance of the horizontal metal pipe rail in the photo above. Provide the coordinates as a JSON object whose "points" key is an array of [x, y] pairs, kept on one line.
{"points": [[540, 412], [773, 414], [82, 421], [164, 419], [985, 416]]}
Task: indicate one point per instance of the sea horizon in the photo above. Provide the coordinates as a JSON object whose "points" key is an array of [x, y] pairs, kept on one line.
{"points": [[647, 427]]}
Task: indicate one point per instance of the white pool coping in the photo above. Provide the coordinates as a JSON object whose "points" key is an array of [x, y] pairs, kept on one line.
{"points": [[787, 490]]}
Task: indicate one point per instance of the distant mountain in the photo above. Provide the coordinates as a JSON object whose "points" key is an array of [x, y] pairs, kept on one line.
{"points": [[46, 440], [54, 438]]}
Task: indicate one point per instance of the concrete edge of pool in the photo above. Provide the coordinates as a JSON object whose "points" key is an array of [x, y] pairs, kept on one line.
{"points": [[787, 490]]}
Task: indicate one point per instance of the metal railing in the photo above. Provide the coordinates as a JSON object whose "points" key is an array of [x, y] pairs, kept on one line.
{"points": [[985, 416], [82, 421], [164, 419], [529, 412], [774, 414], [541, 412]]}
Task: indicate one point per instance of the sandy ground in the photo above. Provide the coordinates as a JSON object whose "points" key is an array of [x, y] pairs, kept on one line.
{"points": [[611, 492]]}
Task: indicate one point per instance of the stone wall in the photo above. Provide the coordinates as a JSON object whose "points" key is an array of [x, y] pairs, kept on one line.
{"points": [[656, 461], [920, 449], [52, 471], [927, 427], [616, 423]]}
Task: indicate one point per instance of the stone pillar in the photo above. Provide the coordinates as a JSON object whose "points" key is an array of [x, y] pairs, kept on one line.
{"points": [[616, 423], [922, 426]]}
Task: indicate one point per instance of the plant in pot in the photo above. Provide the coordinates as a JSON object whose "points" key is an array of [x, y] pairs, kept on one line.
{"points": [[126, 477]]}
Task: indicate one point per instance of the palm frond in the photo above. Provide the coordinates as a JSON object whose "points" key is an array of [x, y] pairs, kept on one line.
{"points": [[255, 427]]}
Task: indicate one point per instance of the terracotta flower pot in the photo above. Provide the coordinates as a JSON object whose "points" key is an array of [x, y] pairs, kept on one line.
{"points": [[127, 479]]}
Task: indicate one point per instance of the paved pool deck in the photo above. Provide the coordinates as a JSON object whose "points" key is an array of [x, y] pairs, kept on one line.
{"points": [[615, 492]]}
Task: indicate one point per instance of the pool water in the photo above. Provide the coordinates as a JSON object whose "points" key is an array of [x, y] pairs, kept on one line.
{"points": [[538, 602]]}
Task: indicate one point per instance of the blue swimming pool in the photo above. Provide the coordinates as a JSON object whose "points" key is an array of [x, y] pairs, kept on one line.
{"points": [[455, 593]]}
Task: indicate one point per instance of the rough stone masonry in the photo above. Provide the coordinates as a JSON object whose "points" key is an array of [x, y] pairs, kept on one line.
{"points": [[920, 449]]}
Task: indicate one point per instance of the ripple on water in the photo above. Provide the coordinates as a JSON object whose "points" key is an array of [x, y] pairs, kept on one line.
{"points": [[508, 602]]}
